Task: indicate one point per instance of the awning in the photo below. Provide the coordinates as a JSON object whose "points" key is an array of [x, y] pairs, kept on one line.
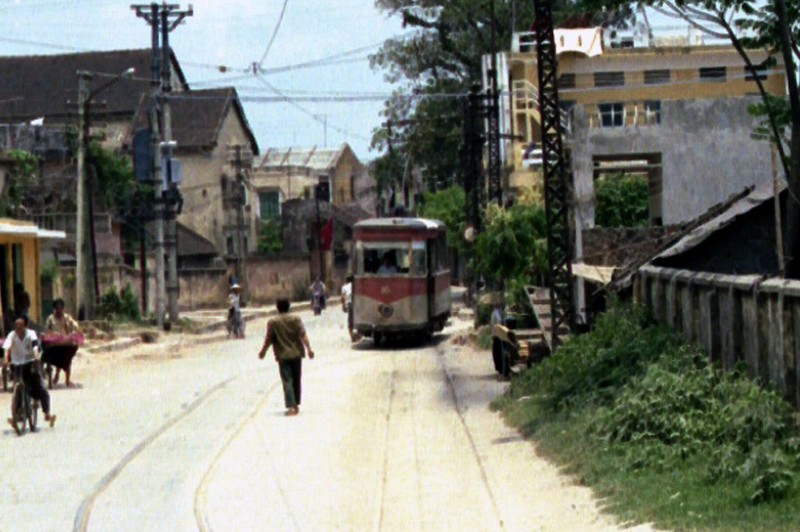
{"points": [[597, 274], [18, 228]]}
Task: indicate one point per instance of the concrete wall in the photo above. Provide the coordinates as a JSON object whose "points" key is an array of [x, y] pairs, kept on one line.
{"points": [[269, 278], [706, 155], [735, 319]]}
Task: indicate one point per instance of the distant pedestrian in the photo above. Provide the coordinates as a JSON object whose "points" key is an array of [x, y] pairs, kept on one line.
{"points": [[235, 323], [347, 305], [499, 355], [287, 336]]}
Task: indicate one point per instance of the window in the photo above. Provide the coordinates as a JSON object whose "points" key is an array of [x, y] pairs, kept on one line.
{"points": [[713, 73], [375, 258], [612, 114], [230, 245], [655, 77], [270, 202], [652, 112], [761, 72], [609, 79], [566, 81], [566, 105]]}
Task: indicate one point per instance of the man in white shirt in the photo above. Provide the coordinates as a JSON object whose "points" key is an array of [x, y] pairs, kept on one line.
{"points": [[347, 305], [21, 348]]}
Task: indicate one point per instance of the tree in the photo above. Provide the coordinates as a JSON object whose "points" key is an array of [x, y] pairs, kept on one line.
{"points": [[19, 177], [774, 27], [449, 206], [435, 65], [621, 201], [513, 245]]}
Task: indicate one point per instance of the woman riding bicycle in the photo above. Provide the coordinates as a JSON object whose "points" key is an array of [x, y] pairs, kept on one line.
{"points": [[22, 349]]}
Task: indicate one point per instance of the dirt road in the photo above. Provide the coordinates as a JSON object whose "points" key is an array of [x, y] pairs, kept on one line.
{"points": [[187, 439]]}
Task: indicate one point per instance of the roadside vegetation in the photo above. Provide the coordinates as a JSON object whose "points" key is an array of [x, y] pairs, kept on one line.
{"points": [[659, 433]]}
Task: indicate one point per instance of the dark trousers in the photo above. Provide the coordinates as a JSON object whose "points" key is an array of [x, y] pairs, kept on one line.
{"points": [[291, 371], [33, 383], [500, 358]]}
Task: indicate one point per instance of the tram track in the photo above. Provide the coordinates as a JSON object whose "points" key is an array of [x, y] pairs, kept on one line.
{"points": [[472, 445], [201, 492]]}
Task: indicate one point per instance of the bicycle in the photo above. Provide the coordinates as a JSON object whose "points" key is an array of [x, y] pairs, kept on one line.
{"points": [[24, 408]]}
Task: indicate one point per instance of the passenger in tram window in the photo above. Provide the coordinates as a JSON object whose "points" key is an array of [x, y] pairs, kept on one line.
{"points": [[388, 267]]}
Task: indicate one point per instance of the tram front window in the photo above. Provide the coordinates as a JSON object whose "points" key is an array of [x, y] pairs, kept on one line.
{"points": [[389, 259]]}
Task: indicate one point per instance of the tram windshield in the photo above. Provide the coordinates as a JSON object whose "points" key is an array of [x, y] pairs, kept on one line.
{"points": [[391, 258]]}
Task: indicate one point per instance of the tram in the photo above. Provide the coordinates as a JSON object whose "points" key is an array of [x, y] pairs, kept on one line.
{"points": [[401, 284]]}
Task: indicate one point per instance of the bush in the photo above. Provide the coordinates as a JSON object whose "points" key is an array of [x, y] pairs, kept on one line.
{"points": [[270, 237], [656, 402], [122, 306]]}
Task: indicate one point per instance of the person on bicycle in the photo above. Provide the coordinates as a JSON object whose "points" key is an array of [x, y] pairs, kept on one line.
{"points": [[318, 294], [22, 350]]}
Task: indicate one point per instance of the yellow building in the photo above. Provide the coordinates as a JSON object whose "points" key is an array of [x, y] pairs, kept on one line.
{"points": [[19, 268], [618, 84]]}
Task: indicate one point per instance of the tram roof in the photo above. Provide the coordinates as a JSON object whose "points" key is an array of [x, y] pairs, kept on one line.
{"points": [[400, 223]]}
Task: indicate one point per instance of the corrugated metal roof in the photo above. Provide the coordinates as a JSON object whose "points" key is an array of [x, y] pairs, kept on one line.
{"points": [[20, 228], [312, 158]]}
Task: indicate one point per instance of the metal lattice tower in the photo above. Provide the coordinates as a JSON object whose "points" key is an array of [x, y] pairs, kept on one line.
{"points": [[557, 192]]}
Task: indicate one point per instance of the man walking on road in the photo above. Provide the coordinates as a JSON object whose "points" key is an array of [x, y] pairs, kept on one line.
{"points": [[287, 336]]}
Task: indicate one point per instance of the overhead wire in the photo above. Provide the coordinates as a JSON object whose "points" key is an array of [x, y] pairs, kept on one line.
{"points": [[274, 33]]}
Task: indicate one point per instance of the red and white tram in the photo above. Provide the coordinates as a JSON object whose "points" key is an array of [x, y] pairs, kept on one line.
{"points": [[402, 277]]}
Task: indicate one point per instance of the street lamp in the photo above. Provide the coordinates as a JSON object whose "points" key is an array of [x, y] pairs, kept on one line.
{"points": [[87, 290]]}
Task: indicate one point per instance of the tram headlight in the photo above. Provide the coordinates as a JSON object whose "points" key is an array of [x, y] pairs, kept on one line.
{"points": [[386, 311]]}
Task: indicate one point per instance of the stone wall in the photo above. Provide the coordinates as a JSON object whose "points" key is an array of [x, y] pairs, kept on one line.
{"points": [[735, 319]]}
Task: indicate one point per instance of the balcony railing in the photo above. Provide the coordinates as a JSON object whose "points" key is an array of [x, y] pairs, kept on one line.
{"points": [[67, 222]]}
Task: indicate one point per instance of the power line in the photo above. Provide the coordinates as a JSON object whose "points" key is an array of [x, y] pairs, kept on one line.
{"points": [[274, 33], [305, 111]]}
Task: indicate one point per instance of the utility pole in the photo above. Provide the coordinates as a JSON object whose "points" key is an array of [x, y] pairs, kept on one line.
{"points": [[241, 227], [84, 290], [162, 20], [557, 178], [495, 170]]}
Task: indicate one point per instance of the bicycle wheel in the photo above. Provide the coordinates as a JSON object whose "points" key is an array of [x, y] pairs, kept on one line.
{"points": [[5, 372], [18, 409], [33, 409]]}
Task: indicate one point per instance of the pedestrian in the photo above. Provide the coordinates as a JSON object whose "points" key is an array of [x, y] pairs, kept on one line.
{"points": [[347, 305], [60, 352], [235, 322], [318, 294], [22, 351], [287, 336], [499, 356]]}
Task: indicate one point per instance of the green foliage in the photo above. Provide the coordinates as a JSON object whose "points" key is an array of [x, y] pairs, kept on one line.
{"points": [[513, 243], [114, 177], [448, 206], [621, 201], [779, 109], [270, 237], [19, 177], [122, 306], [644, 403], [48, 270]]}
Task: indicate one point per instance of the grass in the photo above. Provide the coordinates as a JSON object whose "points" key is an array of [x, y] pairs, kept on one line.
{"points": [[658, 434]]}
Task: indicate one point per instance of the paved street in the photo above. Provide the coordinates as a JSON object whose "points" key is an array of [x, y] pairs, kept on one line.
{"points": [[195, 438]]}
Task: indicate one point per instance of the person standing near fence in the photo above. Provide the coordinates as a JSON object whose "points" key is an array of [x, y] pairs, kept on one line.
{"points": [[287, 337]]}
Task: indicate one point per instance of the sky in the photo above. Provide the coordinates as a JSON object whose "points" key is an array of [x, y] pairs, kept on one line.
{"points": [[235, 34]]}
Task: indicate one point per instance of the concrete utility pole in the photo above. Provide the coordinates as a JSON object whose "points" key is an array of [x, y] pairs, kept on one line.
{"points": [[162, 20], [241, 228], [84, 289]]}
